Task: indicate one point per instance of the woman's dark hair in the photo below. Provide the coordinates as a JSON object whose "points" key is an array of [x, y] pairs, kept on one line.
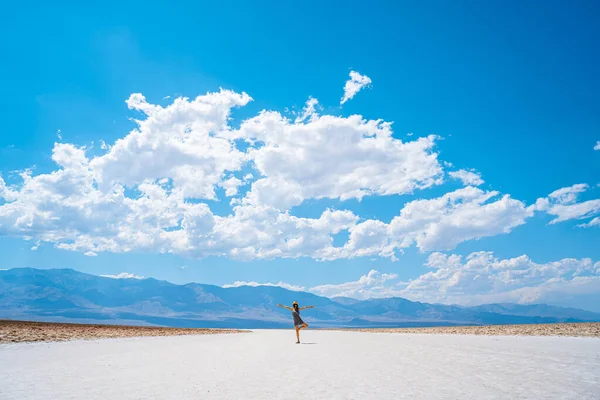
{"points": [[296, 305]]}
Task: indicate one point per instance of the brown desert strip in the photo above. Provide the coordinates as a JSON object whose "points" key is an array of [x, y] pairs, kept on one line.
{"points": [[586, 329], [26, 331]]}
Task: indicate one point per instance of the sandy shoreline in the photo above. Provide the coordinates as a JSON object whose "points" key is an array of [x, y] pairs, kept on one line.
{"points": [[584, 329], [26, 331]]}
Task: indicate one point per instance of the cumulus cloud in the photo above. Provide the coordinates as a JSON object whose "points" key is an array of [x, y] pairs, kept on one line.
{"points": [[483, 278], [479, 278], [231, 186], [367, 286], [265, 233], [148, 191], [437, 224], [354, 85], [334, 157], [468, 178], [123, 275], [6, 193], [597, 146], [186, 142]]}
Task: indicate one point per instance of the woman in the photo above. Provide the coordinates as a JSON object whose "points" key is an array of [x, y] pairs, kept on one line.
{"points": [[298, 323]]}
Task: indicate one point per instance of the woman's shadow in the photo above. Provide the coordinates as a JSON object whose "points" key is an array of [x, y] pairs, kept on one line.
{"points": [[308, 343]]}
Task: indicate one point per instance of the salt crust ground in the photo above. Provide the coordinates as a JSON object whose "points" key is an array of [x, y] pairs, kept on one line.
{"points": [[583, 329], [328, 365]]}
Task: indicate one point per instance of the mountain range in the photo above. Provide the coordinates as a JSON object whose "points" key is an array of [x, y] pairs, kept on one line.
{"points": [[67, 295]]}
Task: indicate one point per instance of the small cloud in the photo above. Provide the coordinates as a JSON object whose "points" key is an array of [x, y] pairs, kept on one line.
{"points": [[467, 177], [568, 195], [166, 97], [255, 284], [593, 223], [36, 246], [231, 186], [309, 110], [597, 146], [354, 85], [374, 284], [123, 275], [183, 267], [59, 135], [410, 134], [90, 254]]}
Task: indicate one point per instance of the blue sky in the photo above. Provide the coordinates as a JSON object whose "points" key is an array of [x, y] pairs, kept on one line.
{"points": [[510, 92]]}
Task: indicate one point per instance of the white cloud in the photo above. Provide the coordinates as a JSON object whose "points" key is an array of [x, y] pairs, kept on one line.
{"points": [[594, 222], [483, 278], [562, 203], [373, 284], [186, 142], [480, 278], [437, 224], [465, 214], [90, 254], [123, 275], [468, 178], [231, 186], [58, 135], [368, 286], [597, 146], [334, 157], [568, 195], [354, 85], [265, 233], [6, 193], [147, 191], [309, 110], [255, 284], [137, 195], [66, 208]]}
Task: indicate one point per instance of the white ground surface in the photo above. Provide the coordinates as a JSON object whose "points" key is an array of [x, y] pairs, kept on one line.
{"points": [[328, 365]]}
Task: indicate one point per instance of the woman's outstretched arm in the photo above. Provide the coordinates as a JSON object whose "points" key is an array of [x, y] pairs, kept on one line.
{"points": [[286, 307], [304, 308]]}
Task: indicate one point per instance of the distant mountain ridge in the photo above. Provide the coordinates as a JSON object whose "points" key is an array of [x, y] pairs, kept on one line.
{"points": [[72, 296]]}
